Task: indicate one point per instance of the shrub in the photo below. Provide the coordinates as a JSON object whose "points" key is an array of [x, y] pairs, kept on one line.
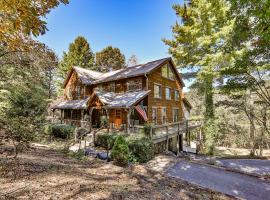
{"points": [[210, 129], [47, 129], [106, 140], [147, 130], [62, 130], [142, 149], [120, 151]]}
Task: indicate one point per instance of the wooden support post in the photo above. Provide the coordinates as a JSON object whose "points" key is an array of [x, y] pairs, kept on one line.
{"points": [[71, 117], [108, 120], [90, 119], [61, 118], [53, 115], [128, 121], [167, 140]]}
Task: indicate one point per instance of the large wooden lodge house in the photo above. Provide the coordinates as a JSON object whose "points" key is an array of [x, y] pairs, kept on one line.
{"points": [[145, 93]]}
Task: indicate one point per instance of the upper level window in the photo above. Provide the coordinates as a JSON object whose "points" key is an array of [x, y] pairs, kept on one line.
{"points": [[134, 85], [69, 92], [176, 95], [78, 91], [168, 93], [157, 91], [109, 87], [167, 72]]}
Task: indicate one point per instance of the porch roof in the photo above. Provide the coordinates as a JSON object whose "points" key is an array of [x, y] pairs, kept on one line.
{"points": [[72, 104], [121, 100]]}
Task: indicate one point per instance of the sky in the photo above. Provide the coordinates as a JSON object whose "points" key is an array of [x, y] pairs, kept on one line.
{"points": [[134, 26]]}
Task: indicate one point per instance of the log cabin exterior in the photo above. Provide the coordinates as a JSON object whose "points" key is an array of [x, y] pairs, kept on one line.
{"points": [[117, 96]]}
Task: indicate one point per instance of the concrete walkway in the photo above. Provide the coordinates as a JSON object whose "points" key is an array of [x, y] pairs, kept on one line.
{"points": [[238, 185]]}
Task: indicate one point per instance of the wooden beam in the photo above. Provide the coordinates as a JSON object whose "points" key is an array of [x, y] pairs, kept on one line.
{"points": [[108, 119], [90, 118], [128, 121], [167, 139], [61, 118]]}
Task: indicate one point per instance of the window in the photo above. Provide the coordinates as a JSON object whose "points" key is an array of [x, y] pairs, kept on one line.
{"points": [[176, 95], [157, 91], [134, 85], [78, 91], [69, 92], [118, 114], [167, 72], [175, 114], [168, 93], [109, 87], [163, 115], [154, 115]]}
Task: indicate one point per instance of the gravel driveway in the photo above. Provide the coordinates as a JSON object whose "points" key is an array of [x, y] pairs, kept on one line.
{"points": [[231, 183]]}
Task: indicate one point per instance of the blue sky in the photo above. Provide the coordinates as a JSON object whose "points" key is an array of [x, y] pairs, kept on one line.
{"points": [[135, 26]]}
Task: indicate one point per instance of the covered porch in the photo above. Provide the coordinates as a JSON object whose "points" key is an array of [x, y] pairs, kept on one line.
{"points": [[109, 110]]}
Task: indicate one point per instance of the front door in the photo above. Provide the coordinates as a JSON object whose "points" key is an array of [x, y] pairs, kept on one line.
{"points": [[118, 118]]}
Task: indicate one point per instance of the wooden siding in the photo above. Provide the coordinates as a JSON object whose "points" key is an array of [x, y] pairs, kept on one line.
{"points": [[156, 77]]}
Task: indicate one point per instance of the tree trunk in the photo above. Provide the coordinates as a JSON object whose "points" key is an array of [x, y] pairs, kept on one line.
{"points": [[209, 102]]}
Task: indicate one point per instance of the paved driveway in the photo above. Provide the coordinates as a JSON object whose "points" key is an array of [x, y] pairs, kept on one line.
{"points": [[260, 167], [231, 183]]}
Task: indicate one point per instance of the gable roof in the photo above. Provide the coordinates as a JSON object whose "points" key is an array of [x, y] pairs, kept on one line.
{"points": [[72, 104], [121, 100], [90, 77]]}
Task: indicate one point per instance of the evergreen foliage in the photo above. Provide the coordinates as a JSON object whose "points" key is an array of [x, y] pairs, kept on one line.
{"points": [[142, 149], [79, 54], [110, 58], [120, 151]]}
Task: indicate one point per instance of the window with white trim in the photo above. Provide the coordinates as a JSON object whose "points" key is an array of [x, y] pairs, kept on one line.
{"points": [[154, 115], [175, 114], [78, 91], [168, 93], [176, 95], [157, 91], [163, 115]]}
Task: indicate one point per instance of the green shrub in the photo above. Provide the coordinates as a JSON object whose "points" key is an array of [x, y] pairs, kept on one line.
{"points": [[80, 154], [62, 130], [147, 130], [106, 140], [120, 151], [47, 129], [142, 149]]}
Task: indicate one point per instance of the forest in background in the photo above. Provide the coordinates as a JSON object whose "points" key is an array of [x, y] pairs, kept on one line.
{"points": [[224, 46]]}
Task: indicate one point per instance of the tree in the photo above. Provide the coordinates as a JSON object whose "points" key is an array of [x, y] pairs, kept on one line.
{"points": [[20, 19], [79, 54], [120, 151], [199, 41], [132, 61], [110, 59], [249, 74]]}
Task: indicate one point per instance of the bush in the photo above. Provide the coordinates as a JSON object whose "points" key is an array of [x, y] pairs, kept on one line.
{"points": [[120, 151], [106, 140], [47, 129], [147, 130], [141, 149], [62, 130], [210, 130]]}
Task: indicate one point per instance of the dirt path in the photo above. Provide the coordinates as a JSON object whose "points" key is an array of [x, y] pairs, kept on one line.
{"points": [[43, 173], [231, 183]]}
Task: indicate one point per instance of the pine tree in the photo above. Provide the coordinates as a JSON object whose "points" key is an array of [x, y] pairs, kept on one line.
{"points": [[198, 45], [198, 42], [132, 61], [110, 59], [79, 54]]}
